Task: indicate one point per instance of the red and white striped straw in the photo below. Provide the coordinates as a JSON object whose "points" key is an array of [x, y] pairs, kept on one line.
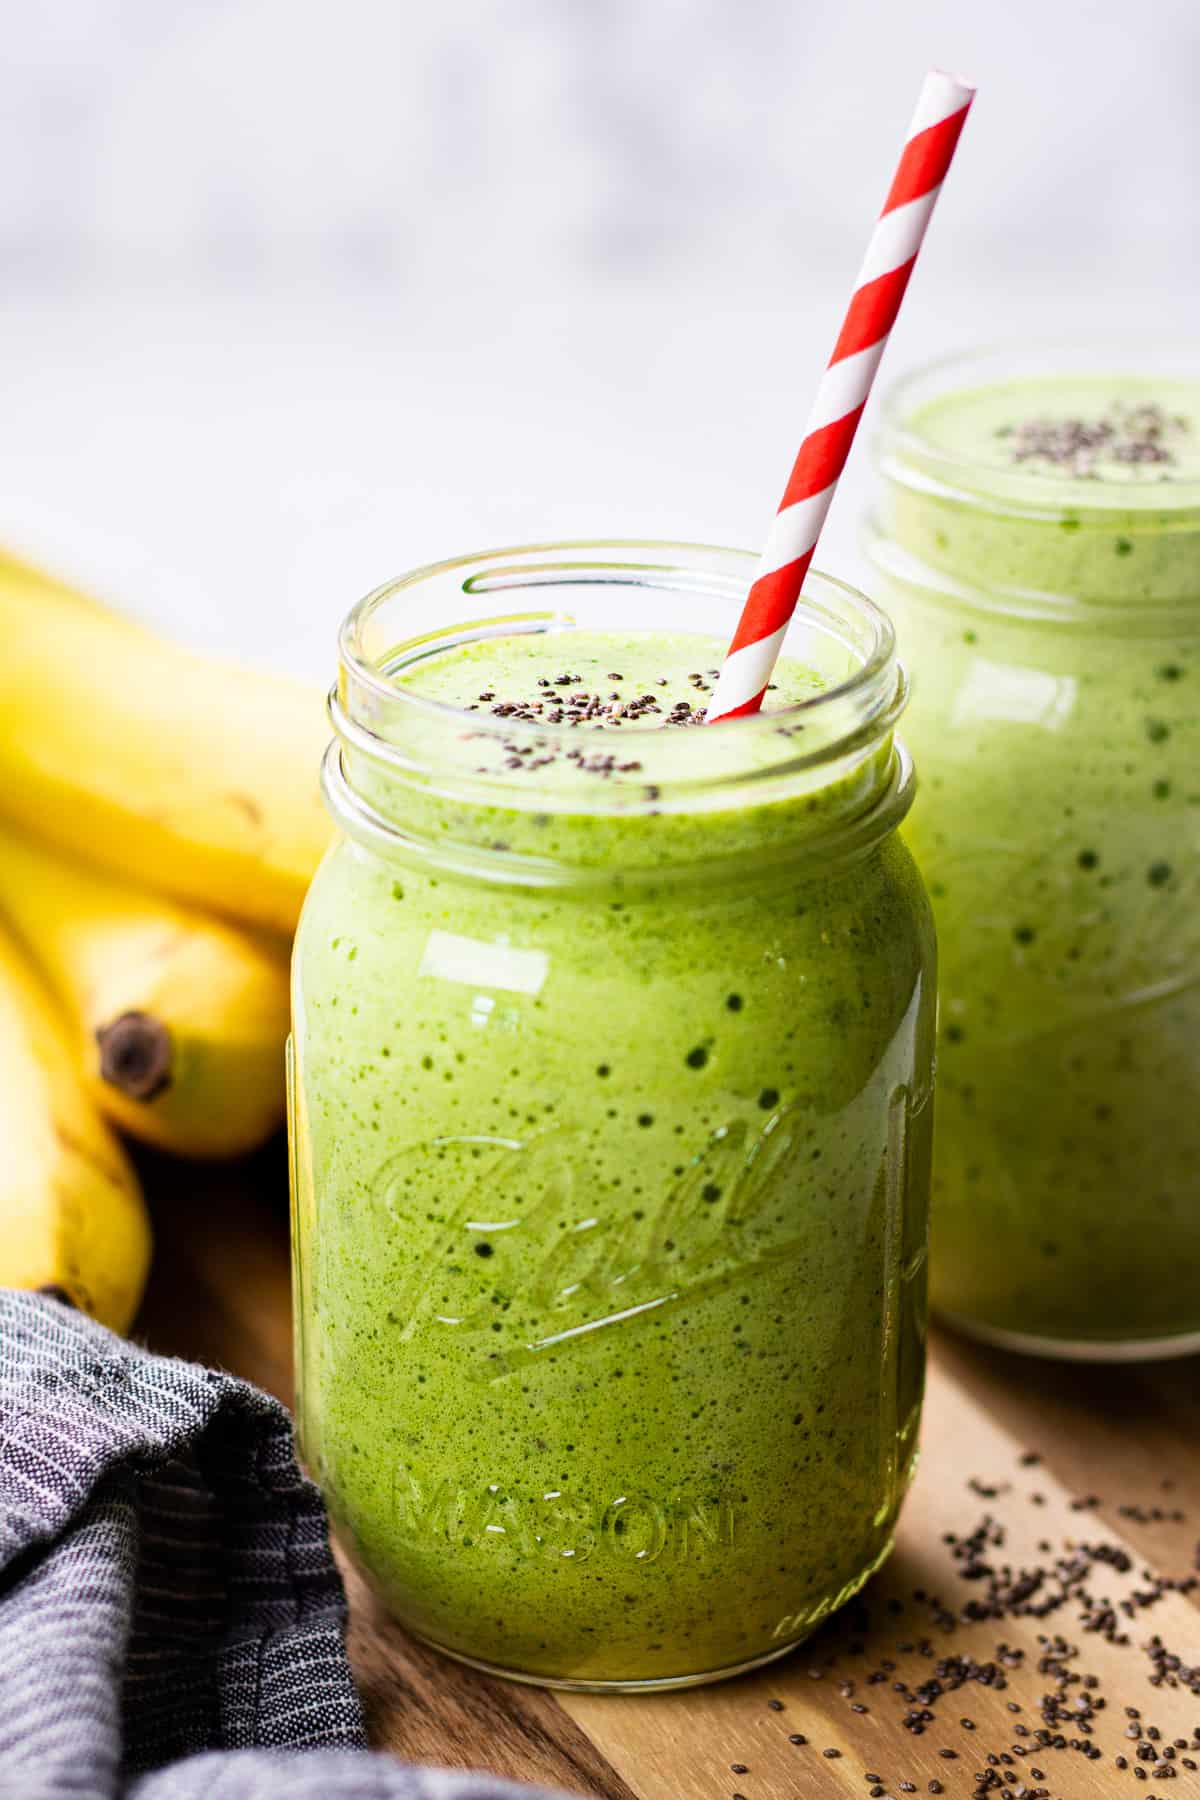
{"points": [[842, 395]]}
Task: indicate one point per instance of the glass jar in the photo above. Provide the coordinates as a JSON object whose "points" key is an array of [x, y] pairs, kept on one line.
{"points": [[610, 1121], [1050, 612]]}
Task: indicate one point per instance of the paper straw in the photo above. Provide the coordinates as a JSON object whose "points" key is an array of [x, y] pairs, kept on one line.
{"points": [[928, 149]]}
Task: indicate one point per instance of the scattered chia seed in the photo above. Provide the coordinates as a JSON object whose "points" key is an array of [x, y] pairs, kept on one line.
{"points": [[1070, 1708]]}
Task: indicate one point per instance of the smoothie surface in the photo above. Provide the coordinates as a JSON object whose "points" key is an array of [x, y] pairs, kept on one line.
{"points": [[605, 685], [1125, 431]]}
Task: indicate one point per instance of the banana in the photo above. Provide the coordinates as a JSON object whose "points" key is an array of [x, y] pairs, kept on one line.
{"points": [[71, 1212], [192, 775], [180, 1020]]}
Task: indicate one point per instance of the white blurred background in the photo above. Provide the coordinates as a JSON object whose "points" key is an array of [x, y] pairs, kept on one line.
{"points": [[295, 295]]}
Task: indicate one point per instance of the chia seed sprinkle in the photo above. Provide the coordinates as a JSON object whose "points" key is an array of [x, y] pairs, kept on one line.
{"points": [[1133, 436], [565, 702]]}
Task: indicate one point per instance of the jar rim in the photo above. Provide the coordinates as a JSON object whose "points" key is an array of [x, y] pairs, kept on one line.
{"points": [[905, 452], [841, 845], [425, 766], [879, 660]]}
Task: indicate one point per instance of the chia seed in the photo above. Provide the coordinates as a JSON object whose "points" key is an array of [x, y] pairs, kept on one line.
{"points": [[1131, 436]]}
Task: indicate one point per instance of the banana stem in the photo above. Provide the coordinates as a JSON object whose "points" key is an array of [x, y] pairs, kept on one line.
{"points": [[135, 1055]]}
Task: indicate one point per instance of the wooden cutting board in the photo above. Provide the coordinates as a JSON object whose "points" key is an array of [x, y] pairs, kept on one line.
{"points": [[1109, 1509]]}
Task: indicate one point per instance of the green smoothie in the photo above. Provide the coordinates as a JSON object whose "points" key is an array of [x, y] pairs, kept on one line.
{"points": [[1039, 537], [611, 1134]]}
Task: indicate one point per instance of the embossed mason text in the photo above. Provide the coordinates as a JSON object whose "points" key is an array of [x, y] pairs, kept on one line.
{"points": [[559, 1525]]}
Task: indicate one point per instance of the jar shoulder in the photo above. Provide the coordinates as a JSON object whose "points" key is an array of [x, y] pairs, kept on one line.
{"points": [[845, 958], [877, 899]]}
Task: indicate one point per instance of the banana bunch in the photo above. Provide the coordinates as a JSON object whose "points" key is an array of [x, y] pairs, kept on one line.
{"points": [[159, 825]]}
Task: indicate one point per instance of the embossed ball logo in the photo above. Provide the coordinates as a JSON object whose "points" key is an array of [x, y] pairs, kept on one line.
{"points": [[529, 1263]]}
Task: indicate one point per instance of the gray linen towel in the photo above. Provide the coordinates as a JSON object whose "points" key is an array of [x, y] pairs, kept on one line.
{"points": [[171, 1618]]}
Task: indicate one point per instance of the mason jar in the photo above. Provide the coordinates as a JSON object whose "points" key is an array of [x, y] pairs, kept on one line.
{"points": [[611, 1080], [1037, 540]]}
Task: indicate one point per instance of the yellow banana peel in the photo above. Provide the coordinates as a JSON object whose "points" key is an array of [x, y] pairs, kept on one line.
{"points": [[179, 1019], [192, 775], [71, 1212]]}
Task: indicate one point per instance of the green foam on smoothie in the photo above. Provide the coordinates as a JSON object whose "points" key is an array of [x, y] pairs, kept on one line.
{"points": [[544, 669], [601, 687], [1129, 431]]}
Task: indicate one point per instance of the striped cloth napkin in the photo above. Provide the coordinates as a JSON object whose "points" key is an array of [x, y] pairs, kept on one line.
{"points": [[171, 1619]]}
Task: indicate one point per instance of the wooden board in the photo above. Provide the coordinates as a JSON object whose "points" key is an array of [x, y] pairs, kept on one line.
{"points": [[1118, 1472]]}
